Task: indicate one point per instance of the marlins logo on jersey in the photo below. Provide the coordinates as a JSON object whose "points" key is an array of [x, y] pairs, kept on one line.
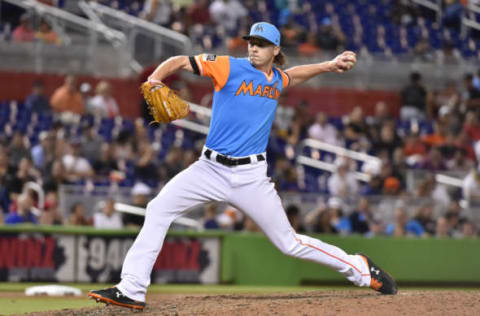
{"points": [[244, 103]]}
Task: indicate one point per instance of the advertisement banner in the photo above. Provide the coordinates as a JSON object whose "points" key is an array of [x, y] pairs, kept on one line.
{"points": [[99, 259], [37, 257]]}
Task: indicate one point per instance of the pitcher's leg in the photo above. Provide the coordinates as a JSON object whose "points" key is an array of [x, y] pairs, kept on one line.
{"points": [[184, 191], [261, 202]]}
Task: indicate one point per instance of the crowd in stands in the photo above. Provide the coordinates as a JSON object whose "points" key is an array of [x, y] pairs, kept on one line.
{"points": [[381, 27], [76, 136]]}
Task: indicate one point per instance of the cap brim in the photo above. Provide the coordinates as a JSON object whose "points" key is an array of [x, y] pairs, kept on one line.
{"points": [[247, 37]]}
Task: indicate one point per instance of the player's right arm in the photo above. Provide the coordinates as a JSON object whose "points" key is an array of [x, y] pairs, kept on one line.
{"points": [[215, 67], [169, 67]]}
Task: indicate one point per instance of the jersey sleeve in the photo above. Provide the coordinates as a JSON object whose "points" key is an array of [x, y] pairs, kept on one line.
{"points": [[285, 78], [215, 67]]}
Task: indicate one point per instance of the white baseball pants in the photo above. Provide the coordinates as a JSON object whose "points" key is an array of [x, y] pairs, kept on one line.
{"points": [[246, 187]]}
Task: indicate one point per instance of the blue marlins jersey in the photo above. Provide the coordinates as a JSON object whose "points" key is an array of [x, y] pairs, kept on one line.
{"points": [[244, 103]]}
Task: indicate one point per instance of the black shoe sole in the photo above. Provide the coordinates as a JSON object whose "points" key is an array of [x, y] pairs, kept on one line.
{"points": [[108, 301]]}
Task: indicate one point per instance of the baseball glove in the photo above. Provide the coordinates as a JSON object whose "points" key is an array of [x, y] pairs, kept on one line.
{"points": [[164, 104]]}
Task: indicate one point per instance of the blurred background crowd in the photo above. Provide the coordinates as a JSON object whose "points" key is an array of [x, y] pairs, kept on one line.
{"points": [[76, 138]]}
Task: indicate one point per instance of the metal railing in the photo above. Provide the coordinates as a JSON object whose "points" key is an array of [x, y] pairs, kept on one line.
{"points": [[356, 156], [166, 42], [435, 5], [87, 42]]}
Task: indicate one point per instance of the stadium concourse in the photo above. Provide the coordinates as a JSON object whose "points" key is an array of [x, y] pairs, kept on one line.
{"points": [[80, 138]]}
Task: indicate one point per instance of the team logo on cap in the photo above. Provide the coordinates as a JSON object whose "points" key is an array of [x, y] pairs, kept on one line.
{"points": [[258, 28]]}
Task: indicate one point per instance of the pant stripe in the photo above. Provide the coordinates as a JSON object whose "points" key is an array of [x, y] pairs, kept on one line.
{"points": [[328, 254]]}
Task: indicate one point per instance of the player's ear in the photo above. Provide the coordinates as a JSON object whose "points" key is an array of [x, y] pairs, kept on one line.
{"points": [[276, 50]]}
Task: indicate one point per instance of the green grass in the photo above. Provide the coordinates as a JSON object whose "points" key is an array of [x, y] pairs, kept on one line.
{"points": [[23, 305]]}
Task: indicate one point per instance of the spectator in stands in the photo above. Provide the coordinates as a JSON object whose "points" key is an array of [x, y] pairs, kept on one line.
{"points": [[423, 51], [338, 219], [295, 218], [50, 214], [228, 14], [403, 226], [356, 130], [76, 167], [361, 217], [391, 186], [320, 219], [158, 12], [91, 143], [46, 34], [107, 217], [210, 216], [471, 185], [471, 95], [414, 99], [424, 217], [322, 130], [198, 13], [448, 98], [37, 101], [77, 215], [414, 148], [172, 164], [343, 183], [103, 104], [291, 32], [26, 172], [23, 32], [373, 187], [438, 137], [18, 148], [389, 140], [67, 98], [472, 126], [309, 47], [442, 228], [460, 161], [145, 168], [381, 116], [468, 230], [330, 36], [452, 14], [140, 196], [429, 188], [24, 212], [434, 161]]}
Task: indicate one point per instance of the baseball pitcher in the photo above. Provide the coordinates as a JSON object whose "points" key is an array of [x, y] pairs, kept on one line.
{"points": [[232, 167]]}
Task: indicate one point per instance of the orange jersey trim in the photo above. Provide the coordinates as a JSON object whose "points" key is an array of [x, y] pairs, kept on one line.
{"points": [[285, 78], [215, 67]]}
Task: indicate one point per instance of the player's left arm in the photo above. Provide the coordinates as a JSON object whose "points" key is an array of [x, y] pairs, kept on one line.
{"points": [[340, 64]]}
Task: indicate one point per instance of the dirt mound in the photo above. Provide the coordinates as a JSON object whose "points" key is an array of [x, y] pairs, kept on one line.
{"points": [[353, 302]]}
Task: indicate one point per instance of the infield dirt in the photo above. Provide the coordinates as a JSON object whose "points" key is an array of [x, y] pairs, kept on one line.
{"points": [[408, 302]]}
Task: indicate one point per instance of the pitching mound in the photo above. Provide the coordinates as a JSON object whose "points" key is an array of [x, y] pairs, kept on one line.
{"points": [[353, 302]]}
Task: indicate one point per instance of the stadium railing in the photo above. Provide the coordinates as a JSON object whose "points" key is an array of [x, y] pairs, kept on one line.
{"points": [[164, 39], [81, 40]]}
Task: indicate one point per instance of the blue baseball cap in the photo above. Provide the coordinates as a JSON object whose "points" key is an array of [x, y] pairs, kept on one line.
{"points": [[265, 31]]}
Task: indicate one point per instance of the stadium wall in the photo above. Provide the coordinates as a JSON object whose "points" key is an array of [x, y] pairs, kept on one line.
{"points": [[333, 101], [76, 254]]}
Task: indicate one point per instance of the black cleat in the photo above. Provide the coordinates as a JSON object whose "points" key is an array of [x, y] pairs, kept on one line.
{"points": [[381, 280], [115, 297]]}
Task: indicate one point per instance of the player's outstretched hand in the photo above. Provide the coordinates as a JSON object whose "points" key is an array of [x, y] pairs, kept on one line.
{"points": [[343, 62]]}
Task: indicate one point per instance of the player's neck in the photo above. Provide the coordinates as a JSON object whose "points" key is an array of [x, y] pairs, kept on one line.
{"points": [[267, 68]]}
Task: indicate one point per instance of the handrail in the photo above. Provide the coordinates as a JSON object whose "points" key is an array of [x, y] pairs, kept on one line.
{"points": [[432, 6], [117, 38], [135, 21], [194, 126], [330, 167]]}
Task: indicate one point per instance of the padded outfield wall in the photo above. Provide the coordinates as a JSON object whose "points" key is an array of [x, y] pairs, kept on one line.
{"points": [[29, 253]]}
